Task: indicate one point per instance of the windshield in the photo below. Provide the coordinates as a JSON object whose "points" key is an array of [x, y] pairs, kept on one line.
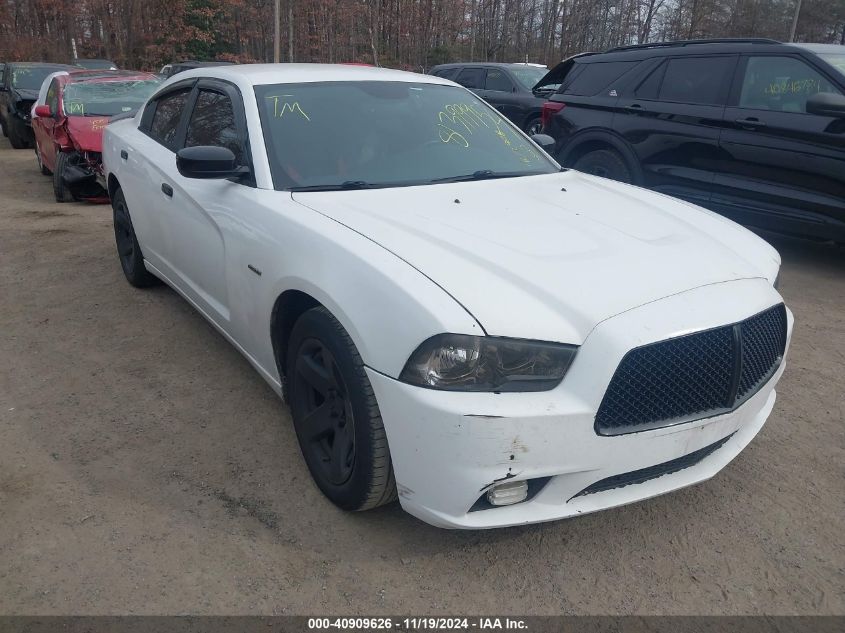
{"points": [[528, 76], [388, 134], [107, 98], [837, 60], [31, 78]]}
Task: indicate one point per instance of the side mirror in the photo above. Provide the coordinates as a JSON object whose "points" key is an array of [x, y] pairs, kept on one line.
{"points": [[827, 104], [43, 111], [546, 142], [208, 162]]}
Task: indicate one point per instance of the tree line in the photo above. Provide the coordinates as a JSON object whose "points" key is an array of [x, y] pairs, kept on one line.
{"points": [[408, 34]]}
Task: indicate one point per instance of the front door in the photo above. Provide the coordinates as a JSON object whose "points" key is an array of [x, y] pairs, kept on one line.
{"points": [[783, 167]]}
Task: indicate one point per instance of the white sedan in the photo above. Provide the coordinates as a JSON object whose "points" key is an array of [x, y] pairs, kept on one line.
{"points": [[453, 319]]}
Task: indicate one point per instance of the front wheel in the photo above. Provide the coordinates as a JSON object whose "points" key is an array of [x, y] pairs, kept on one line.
{"points": [[336, 416], [61, 191], [16, 138], [606, 163], [128, 249]]}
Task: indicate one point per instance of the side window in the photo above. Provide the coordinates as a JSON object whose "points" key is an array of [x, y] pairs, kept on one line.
{"points": [[168, 111], [213, 123], [698, 80], [471, 78], [498, 80], [782, 84], [649, 88], [596, 77], [446, 73], [52, 99]]}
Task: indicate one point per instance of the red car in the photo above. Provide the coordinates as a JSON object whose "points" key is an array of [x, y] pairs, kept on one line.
{"points": [[69, 127]]}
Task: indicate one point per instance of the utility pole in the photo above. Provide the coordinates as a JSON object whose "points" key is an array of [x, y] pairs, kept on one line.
{"points": [[795, 21], [277, 36]]}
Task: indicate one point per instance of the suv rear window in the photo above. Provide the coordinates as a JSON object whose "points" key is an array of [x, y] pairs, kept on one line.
{"points": [[586, 80]]}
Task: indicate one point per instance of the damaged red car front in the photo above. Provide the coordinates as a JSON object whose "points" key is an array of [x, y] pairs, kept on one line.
{"points": [[69, 127]]}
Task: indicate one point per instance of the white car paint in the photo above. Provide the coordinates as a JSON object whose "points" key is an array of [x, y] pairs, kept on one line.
{"points": [[565, 258]]}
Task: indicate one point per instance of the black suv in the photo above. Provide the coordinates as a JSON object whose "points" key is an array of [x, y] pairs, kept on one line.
{"points": [[753, 129], [19, 86], [507, 87]]}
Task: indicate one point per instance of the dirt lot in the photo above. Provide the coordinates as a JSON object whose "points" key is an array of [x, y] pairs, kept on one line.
{"points": [[146, 468]]}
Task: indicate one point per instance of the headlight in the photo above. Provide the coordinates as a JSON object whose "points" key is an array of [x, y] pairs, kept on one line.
{"points": [[459, 362]]}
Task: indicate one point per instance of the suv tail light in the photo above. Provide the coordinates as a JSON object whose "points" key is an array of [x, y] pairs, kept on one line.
{"points": [[550, 108]]}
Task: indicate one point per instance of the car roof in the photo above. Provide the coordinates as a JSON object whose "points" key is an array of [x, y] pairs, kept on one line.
{"points": [[700, 47], [42, 65], [263, 74], [101, 76], [484, 65]]}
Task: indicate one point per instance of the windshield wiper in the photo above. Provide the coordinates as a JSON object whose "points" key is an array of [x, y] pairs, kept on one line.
{"points": [[344, 186], [487, 174]]}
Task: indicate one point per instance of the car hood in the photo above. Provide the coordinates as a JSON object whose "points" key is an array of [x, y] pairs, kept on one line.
{"points": [[86, 132], [549, 257]]}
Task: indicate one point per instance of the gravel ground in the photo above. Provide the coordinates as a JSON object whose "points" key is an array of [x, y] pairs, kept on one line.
{"points": [[146, 468]]}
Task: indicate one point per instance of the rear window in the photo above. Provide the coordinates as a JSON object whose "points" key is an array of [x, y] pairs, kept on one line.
{"points": [[587, 80]]}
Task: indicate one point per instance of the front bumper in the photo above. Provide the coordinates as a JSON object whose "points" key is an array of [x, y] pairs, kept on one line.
{"points": [[448, 448]]}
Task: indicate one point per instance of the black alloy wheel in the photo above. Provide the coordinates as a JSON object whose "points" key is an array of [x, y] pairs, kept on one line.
{"points": [[328, 422]]}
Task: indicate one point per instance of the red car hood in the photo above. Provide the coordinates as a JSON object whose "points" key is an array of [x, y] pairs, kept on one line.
{"points": [[86, 132]]}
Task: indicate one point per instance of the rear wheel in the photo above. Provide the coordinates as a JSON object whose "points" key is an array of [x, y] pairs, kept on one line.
{"points": [[606, 163], [336, 415], [128, 248], [44, 170], [534, 126]]}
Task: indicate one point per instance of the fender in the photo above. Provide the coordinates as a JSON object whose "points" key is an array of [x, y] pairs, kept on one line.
{"points": [[607, 137]]}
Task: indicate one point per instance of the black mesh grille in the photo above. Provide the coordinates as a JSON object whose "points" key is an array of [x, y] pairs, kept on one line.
{"points": [[763, 341], [692, 376]]}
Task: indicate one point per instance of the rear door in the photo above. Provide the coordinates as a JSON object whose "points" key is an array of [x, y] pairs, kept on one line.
{"points": [[500, 92], [782, 166], [673, 117]]}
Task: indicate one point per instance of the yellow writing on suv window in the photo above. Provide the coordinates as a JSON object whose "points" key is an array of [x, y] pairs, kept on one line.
{"points": [[283, 105], [796, 87]]}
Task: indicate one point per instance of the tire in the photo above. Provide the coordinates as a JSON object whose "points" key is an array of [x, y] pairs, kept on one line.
{"points": [[331, 400], [606, 163], [41, 167], [15, 138], [128, 248], [60, 190], [3, 127], [533, 126]]}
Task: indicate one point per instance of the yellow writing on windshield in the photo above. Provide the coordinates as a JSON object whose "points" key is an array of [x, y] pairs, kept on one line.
{"points": [[458, 122], [75, 107], [282, 105]]}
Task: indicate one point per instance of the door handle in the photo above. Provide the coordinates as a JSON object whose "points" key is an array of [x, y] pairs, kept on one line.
{"points": [[634, 106], [167, 190], [750, 123], [124, 154]]}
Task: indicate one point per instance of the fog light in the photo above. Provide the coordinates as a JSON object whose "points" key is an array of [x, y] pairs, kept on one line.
{"points": [[508, 493]]}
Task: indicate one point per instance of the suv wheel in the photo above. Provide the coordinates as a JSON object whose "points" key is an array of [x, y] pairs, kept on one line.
{"points": [[534, 126], [606, 163], [336, 415]]}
